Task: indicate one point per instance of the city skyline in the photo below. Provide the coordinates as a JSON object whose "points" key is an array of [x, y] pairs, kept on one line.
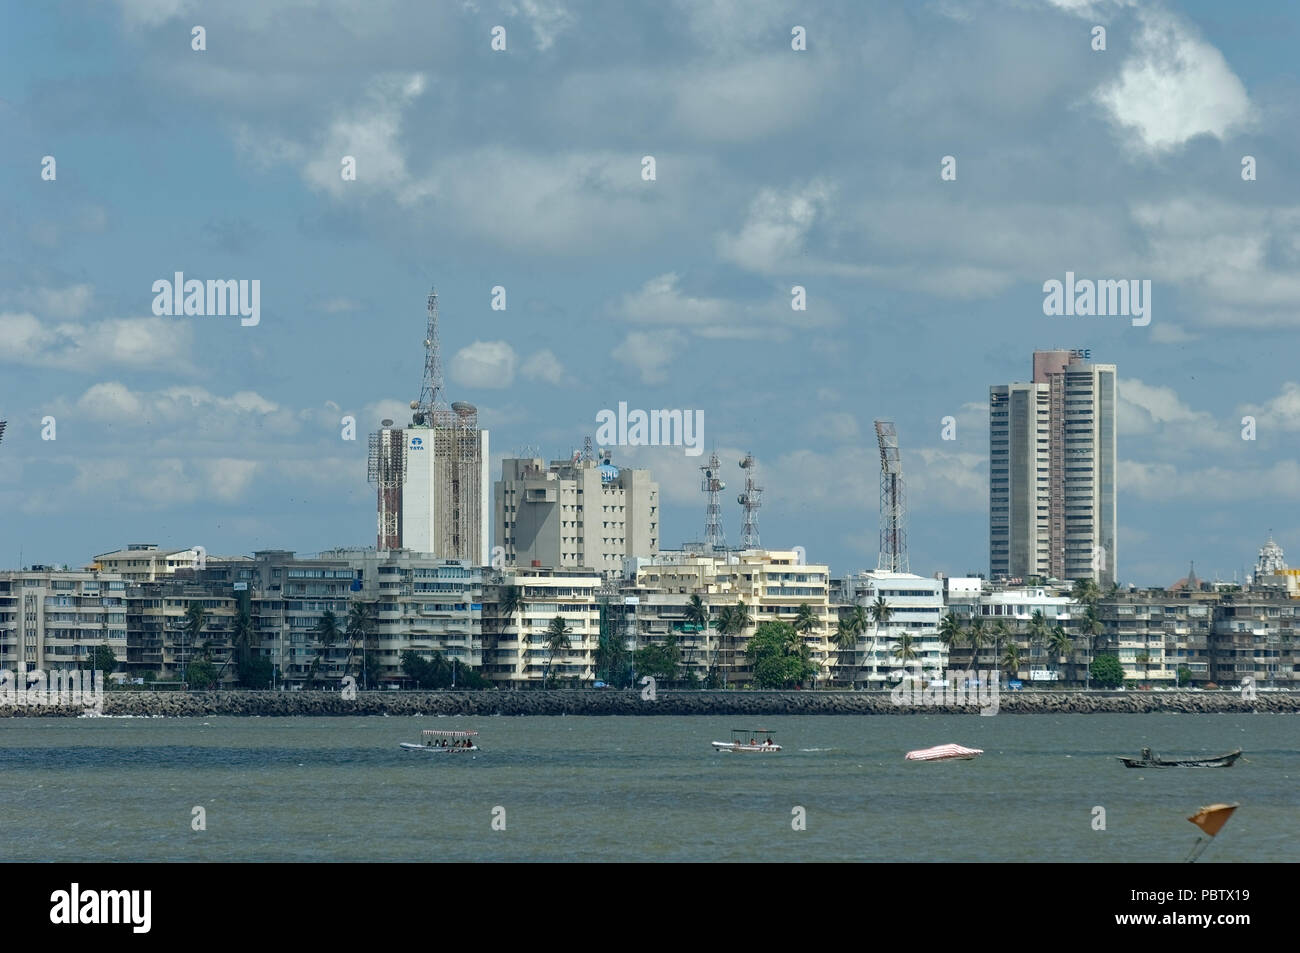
{"points": [[524, 171]]}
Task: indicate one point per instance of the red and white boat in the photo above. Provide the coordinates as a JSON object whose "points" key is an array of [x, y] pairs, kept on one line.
{"points": [[944, 753]]}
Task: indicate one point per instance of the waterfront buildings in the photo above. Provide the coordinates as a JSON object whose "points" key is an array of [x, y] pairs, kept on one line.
{"points": [[54, 619], [915, 607], [1052, 469], [577, 513], [521, 604]]}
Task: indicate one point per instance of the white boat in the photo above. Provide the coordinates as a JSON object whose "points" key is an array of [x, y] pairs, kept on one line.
{"points": [[944, 753], [760, 741], [436, 741]]}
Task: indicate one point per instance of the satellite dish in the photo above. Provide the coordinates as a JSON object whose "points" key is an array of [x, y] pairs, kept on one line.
{"points": [[415, 405], [464, 409], [385, 422]]}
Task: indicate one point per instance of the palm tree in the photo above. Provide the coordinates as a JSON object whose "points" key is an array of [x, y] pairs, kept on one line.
{"points": [[196, 617], [557, 640], [1059, 644], [1143, 659], [860, 621], [737, 620], [805, 622], [327, 633], [902, 649], [1011, 659], [950, 633], [241, 643], [1085, 592], [1000, 632], [977, 638], [360, 623], [1038, 629], [846, 639], [880, 612], [1092, 627], [697, 614]]}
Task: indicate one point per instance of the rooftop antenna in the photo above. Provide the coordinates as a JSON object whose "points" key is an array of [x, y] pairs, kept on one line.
{"points": [[433, 397], [712, 485], [750, 500]]}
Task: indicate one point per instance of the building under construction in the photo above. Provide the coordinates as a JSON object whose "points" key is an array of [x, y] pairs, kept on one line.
{"points": [[431, 476]]}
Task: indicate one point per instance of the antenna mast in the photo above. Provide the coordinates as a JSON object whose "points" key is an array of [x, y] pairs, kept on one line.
{"points": [[712, 486], [893, 503], [750, 500]]}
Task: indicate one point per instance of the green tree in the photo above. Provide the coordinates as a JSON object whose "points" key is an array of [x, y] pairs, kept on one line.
{"points": [[697, 615], [1092, 627], [659, 661], [950, 633], [196, 617], [732, 621], [557, 641], [327, 633], [806, 620], [102, 659], [256, 672], [775, 657], [201, 674], [1011, 660], [1085, 592], [1184, 675], [1107, 671], [903, 650]]}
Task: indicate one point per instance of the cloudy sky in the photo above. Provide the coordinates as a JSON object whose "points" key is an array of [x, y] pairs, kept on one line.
{"points": [[523, 168]]}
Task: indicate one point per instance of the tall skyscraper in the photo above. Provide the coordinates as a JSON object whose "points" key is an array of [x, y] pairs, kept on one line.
{"points": [[1052, 471]]}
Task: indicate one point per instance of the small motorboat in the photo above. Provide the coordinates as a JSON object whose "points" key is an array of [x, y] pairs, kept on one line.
{"points": [[944, 753], [1149, 760], [760, 742], [436, 741]]}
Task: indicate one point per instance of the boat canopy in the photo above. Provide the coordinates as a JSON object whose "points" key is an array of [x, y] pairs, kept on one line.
{"points": [[439, 733], [752, 731]]}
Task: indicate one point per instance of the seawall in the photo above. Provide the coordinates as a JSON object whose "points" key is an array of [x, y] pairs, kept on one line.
{"points": [[609, 702]]}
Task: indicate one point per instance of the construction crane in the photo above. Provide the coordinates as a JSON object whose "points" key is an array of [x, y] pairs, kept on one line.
{"points": [[893, 503]]}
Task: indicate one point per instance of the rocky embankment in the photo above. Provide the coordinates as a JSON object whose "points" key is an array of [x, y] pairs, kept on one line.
{"points": [[606, 702]]}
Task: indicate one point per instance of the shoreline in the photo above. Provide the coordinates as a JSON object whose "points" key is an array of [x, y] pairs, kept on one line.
{"points": [[630, 703]]}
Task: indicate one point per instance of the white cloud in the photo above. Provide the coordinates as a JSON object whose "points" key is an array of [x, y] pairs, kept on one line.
{"points": [[544, 366], [1174, 87], [59, 303], [162, 343], [484, 364], [548, 19], [772, 238], [1167, 483], [1167, 426], [650, 353], [1279, 413], [662, 303]]}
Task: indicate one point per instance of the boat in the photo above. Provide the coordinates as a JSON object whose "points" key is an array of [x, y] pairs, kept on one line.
{"points": [[760, 741], [1149, 760], [437, 741], [944, 753]]}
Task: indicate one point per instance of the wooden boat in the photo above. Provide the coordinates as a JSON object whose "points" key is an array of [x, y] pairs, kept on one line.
{"points": [[944, 753], [1149, 760], [760, 742], [436, 741]]}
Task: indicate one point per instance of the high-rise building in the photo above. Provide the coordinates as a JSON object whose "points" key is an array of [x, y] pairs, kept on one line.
{"points": [[577, 513], [1052, 462]]}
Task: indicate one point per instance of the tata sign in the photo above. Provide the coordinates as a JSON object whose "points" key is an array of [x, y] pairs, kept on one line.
{"points": [[417, 443]]}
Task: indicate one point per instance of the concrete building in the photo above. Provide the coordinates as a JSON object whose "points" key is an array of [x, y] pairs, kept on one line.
{"points": [[1052, 470], [578, 513], [53, 619], [515, 643], [916, 607], [145, 562]]}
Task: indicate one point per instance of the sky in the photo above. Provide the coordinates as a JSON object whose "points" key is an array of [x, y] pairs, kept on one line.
{"points": [[523, 169]]}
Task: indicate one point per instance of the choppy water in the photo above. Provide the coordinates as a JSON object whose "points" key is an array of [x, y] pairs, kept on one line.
{"points": [[573, 788]]}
